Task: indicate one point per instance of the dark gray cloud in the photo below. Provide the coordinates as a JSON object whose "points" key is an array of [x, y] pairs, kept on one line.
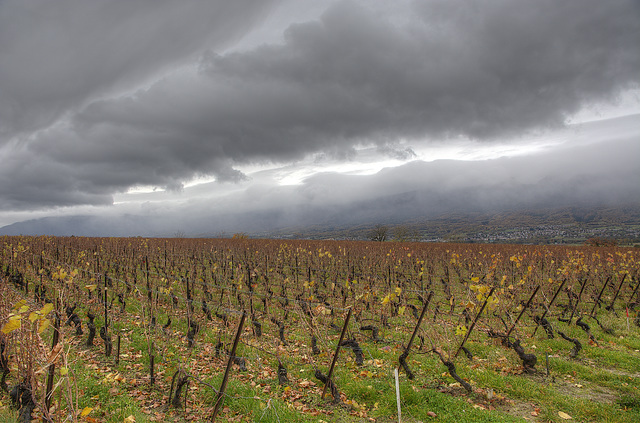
{"points": [[93, 79], [58, 55], [592, 168], [477, 69]]}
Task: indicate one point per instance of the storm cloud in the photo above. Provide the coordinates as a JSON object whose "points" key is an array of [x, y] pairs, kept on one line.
{"points": [[99, 97], [590, 169], [57, 56]]}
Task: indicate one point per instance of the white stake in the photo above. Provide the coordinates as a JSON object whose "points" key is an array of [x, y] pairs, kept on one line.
{"points": [[627, 319], [395, 371]]}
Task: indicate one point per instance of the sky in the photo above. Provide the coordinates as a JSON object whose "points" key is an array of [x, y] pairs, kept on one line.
{"points": [[193, 108]]}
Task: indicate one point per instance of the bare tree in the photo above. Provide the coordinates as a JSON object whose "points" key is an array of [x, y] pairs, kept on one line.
{"points": [[379, 233]]}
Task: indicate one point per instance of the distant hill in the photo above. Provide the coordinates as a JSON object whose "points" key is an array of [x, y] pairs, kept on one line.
{"points": [[571, 225]]}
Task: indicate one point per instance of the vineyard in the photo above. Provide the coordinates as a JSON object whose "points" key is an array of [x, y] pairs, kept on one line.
{"points": [[133, 330]]}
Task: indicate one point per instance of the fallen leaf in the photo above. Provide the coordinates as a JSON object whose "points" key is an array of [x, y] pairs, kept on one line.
{"points": [[86, 411], [564, 415], [431, 414]]}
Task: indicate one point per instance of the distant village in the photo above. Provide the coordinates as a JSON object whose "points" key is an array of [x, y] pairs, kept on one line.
{"points": [[560, 234]]}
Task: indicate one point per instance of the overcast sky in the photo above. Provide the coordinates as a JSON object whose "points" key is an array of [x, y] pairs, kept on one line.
{"points": [[146, 106]]}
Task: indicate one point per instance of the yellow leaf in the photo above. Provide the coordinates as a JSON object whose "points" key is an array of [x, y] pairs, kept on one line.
{"points": [[475, 279], [19, 304], [63, 371], [23, 309], [42, 325], [385, 300], [86, 411], [11, 325], [564, 415], [401, 310], [130, 419], [461, 330], [46, 309], [91, 287], [33, 317], [398, 290]]}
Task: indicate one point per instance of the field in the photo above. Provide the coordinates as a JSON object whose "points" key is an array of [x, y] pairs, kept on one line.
{"points": [[136, 330]]}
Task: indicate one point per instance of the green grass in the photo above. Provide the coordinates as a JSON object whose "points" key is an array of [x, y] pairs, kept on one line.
{"points": [[7, 415], [601, 384], [598, 385]]}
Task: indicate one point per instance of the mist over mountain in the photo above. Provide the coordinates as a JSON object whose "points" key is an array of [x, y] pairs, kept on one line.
{"points": [[581, 176]]}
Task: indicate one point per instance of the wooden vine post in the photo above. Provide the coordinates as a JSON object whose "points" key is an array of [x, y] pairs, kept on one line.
{"points": [[599, 296], [474, 322], [405, 354], [584, 284], [633, 294], [106, 299], [225, 378], [523, 310], [52, 366], [118, 351], [335, 355], [152, 359], [415, 330], [548, 307], [615, 297], [149, 294]]}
